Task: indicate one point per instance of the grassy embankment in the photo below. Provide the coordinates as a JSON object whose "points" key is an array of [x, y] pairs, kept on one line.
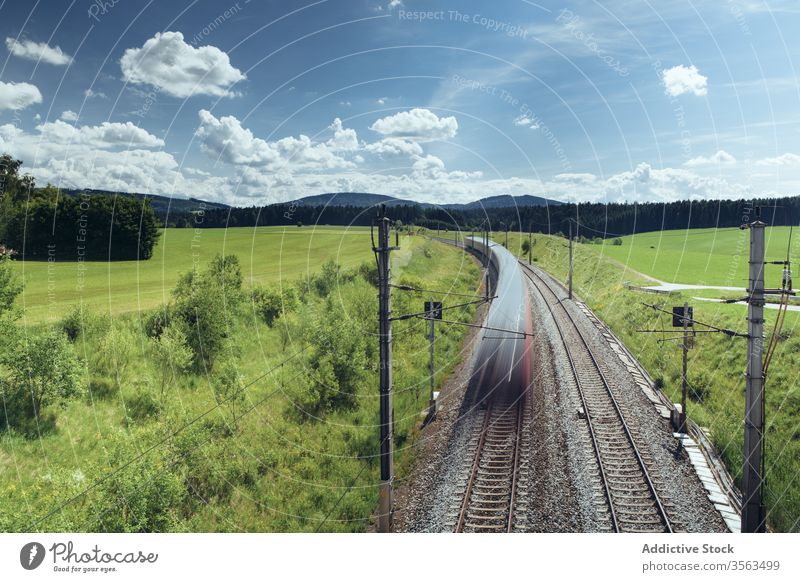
{"points": [[272, 461], [717, 364]]}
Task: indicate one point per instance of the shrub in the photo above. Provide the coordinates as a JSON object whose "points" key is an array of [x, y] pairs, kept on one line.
{"points": [[80, 321], [228, 386], [616, 242], [140, 495], [203, 310], [157, 321], [269, 304], [226, 272], [341, 350], [101, 388], [10, 285], [42, 370], [325, 282], [115, 353], [172, 356], [142, 406]]}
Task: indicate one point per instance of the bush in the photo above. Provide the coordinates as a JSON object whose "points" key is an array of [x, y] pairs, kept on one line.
{"points": [[157, 321], [200, 309], [228, 386], [226, 272], [80, 321], [115, 353], [141, 497], [269, 304], [171, 355], [41, 370], [325, 282], [616, 242], [341, 350], [101, 388], [10, 285], [142, 406]]}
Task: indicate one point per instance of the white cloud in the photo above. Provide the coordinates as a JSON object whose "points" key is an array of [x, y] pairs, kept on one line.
{"points": [[37, 51], [343, 139], [105, 135], [95, 157], [167, 62], [417, 124], [428, 167], [90, 94], [69, 115], [381, 101], [394, 146], [225, 139], [526, 121], [721, 158], [18, 95], [680, 79], [786, 159]]}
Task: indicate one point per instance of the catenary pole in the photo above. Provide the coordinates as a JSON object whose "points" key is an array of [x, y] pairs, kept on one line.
{"points": [[386, 493], [753, 518]]}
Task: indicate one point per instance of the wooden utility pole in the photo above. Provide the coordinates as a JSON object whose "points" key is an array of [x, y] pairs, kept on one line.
{"points": [[753, 515], [386, 493], [570, 260]]}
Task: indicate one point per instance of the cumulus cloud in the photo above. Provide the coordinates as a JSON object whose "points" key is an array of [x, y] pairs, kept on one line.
{"points": [[37, 51], [417, 124], [69, 115], [18, 95], [343, 139], [109, 157], [721, 158], [786, 159], [680, 79], [105, 135], [226, 139], [167, 62], [394, 146]]}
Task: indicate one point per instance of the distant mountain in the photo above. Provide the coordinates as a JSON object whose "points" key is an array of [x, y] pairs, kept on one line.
{"points": [[161, 204], [360, 199], [507, 201]]}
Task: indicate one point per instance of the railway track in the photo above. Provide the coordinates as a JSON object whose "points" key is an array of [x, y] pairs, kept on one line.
{"points": [[631, 497], [491, 491]]}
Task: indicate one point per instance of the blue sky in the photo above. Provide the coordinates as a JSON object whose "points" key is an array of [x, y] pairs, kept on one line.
{"points": [[252, 102]]}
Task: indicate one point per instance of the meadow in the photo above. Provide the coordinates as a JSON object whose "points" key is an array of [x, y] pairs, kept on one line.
{"points": [[716, 257], [716, 365], [278, 433], [267, 254]]}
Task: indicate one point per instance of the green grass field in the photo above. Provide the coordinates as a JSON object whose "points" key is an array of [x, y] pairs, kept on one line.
{"points": [[701, 257], [267, 254], [716, 365], [269, 465]]}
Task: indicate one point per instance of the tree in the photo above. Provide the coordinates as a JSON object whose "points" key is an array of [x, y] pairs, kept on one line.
{"points": [[46, 222], [171, 355], [207, 313], [10, 285], [41, 370], [115, 353]]}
